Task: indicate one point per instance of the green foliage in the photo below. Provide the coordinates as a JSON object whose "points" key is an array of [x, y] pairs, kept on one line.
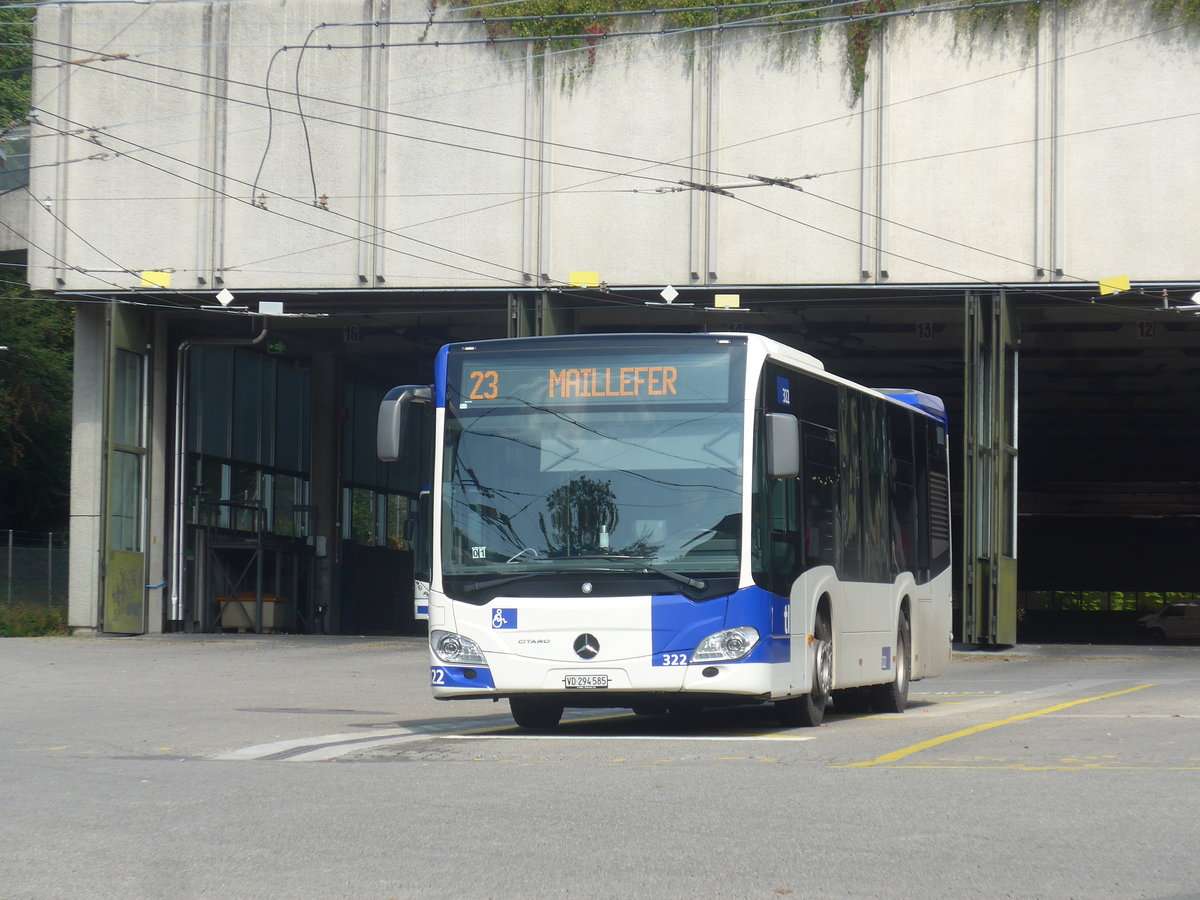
{"points": [[16, 31], [1003, 21], [35, 407], [35, 370], [1185, 12], [860, 33], [25, 620], [584, 24]]}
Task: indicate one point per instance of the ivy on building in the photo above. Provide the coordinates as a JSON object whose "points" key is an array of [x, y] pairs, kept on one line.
{"points": [[587, 24]]}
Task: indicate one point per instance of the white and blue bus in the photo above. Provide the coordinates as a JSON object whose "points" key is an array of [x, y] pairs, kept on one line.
{"points": [[672, 521]]}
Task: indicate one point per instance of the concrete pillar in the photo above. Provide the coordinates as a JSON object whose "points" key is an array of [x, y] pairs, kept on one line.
{"points": [[326, 483], [160, 424], [87, 467]]}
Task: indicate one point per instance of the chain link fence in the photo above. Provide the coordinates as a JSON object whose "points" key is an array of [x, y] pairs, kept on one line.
{"points": [[33, 568]]}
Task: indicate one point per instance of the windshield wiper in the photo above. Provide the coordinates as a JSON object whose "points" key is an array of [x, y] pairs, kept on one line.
{"points": [[674, 576], [567, 570], [496, 582], [509, 579]]}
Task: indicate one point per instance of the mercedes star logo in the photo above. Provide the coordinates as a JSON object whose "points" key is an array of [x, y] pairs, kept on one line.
{"points": [[586, 646]]}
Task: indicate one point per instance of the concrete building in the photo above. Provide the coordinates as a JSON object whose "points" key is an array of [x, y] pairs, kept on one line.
{"points": [[269, 213]]}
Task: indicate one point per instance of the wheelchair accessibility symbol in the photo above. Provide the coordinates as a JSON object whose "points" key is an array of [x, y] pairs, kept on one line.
{"points": [[504, 618]]}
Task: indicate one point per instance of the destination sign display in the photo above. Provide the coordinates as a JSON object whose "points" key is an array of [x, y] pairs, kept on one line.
{"points": [[694, 375]]}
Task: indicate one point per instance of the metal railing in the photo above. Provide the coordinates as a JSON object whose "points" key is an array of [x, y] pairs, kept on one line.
{"points": [[33, 568]]}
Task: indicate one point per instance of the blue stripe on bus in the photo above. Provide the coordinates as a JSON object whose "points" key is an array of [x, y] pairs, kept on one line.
{"points": [[439, 376], [679, 624], [768, 613], [461, 676]]}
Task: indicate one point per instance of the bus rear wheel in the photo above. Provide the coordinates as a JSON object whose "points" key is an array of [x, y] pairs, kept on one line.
{"points": [[809, 710], [893, 698], [535, 712]]}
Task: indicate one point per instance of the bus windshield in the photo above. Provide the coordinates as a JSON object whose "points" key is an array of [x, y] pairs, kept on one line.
{"points": [[560, 465]]}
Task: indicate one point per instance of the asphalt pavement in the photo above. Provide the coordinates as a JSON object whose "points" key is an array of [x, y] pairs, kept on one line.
{"points": [[280, 766]]}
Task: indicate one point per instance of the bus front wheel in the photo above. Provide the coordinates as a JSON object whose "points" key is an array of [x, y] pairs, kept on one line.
{"points": [[809, 710], [535, 712]]}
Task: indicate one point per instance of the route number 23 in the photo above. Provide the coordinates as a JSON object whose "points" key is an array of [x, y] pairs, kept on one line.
{"points": [[486, 386]]}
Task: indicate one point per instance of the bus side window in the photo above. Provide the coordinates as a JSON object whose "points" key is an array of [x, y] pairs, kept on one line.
{"points": [[902, 493], [820, 493], [873, 497], [783, 533], [939, 499], [850, 488]]}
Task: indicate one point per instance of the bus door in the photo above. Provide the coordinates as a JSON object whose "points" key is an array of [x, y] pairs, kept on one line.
{"points": [[422, 542]]}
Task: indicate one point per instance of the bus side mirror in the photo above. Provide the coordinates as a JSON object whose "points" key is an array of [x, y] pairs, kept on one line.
{"points": [[395, 416], [782, 433]]}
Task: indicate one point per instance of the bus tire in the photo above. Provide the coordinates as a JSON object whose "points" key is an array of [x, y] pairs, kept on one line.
{"points": [[893, 697], [808, 711], [535, 712]]}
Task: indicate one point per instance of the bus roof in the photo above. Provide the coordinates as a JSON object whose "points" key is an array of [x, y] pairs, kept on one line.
{"points": [[926, 403]]}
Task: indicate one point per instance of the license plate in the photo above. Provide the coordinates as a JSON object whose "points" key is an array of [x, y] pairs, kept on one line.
{"points": [[585, 682]]}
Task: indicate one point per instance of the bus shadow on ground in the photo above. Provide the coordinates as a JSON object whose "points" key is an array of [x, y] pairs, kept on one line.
{"points": [[748, 721]]}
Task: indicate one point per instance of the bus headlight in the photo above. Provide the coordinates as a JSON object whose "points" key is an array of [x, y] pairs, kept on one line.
{"points": [[455, 648], [733, 643]]}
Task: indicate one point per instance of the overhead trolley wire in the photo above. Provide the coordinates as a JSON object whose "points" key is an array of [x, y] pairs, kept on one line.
{"points": [[682, 163], [424, 120], [521, 283], [607, 174], [336, 214], [124, 289], [1047, 290], [391, 114]]}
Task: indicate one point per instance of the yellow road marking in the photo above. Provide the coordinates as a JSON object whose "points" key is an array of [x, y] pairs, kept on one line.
{"points": [[897, 755], [1034, 767]]}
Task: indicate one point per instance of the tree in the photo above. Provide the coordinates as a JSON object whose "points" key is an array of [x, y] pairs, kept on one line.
{"points": [[35, 366], [35, 408], [16, 27]]}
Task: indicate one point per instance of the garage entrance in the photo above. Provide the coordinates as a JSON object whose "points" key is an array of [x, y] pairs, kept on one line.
{"points": [[290, 520]]}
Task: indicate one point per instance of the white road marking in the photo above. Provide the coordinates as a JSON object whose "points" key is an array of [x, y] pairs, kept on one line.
{"points": [[304, 747], [322, 748]]}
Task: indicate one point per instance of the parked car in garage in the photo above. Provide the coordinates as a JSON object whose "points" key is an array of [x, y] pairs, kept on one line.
{"points": [[1174, 622]]}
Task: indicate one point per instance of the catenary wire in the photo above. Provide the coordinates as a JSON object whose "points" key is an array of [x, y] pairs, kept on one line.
{"points": [[927, 232], [897, 162]]}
